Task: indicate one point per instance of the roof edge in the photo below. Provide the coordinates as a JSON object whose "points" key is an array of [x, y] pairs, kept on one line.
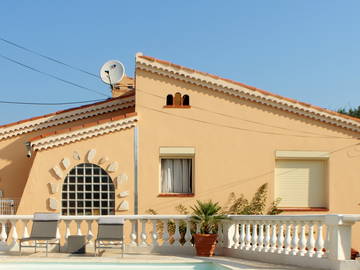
{"points": [[84, 131], [68, 115], [241, 90]]}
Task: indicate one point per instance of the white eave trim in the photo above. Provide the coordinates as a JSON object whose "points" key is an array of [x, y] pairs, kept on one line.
{"points": [[61, 118], [243, 92], [85, 133], [301, 155]]}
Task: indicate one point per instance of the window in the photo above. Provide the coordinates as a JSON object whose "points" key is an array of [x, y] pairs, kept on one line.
{"points": [[88, 190], [301, 183], [169, 100], [177, 101], [176, 175], [186, 100]]}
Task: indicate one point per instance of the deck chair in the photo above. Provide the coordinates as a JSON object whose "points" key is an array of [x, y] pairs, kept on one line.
{"points": [[43, 230], [111, 231]]}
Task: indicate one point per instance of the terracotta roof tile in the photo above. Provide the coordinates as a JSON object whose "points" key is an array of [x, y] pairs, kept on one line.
{"points": [[250, 87], [87, 125], [118, 117]]}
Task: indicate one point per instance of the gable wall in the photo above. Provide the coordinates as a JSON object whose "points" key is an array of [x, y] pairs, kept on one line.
{"points": [[15, 166], [116, 146], [229, 159]]}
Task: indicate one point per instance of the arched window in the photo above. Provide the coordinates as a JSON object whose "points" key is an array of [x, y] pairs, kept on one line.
{"points": [[88, 190], [169, 100], [186, 100], [177, 100]]}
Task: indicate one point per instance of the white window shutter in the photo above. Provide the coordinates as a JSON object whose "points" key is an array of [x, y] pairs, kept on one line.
{"points": [[301, 183]]}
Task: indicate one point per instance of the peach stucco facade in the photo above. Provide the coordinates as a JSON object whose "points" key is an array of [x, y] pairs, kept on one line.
{"points": [[235, 139]]}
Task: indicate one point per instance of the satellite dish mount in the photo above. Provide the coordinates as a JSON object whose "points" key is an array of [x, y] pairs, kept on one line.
{"points": [[112, 72]]}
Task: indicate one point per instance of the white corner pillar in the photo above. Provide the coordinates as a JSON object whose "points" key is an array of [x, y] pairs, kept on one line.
{"points": [[339, 243]]}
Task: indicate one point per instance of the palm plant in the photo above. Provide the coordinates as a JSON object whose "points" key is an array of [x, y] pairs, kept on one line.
{"points": [[207, 214]]}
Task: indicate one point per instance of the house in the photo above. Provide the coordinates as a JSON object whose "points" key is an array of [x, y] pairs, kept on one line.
{"points": [[174, 135]]}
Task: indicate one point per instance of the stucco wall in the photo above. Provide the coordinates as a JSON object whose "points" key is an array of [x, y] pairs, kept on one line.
{"points": [[117, 147], [15, 166], [234, 153]]}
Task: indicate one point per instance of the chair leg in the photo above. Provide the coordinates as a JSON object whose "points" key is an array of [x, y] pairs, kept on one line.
{"points": [[59, 246], [20, 248], [47, 242], [35, 246], [95, 249]]}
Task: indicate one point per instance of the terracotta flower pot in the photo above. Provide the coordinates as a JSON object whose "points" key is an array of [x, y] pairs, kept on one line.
{"points": [[205, 244]]}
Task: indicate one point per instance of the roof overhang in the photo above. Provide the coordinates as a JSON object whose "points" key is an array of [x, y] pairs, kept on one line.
{"points": [[65, 116], [83, 132], [243, 91]]}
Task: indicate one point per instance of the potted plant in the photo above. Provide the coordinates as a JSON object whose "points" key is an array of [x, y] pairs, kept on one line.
{"points": [[207, 216]]}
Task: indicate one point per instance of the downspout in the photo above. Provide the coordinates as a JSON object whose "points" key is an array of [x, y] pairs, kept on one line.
{"points": [[136, 160]]}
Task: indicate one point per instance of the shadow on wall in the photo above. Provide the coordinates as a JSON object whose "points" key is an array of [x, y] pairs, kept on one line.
{"points": [[243, 102]]}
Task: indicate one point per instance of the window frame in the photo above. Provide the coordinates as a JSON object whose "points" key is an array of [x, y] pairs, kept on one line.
{"points": [[190, 156], [304, 156]]}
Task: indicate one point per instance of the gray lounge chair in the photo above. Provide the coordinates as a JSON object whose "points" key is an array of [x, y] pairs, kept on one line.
{"points": [[44, 230], [110, 230]]}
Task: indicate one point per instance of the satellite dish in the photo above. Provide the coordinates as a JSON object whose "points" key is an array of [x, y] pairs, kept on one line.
{"points": [[112, 72]]}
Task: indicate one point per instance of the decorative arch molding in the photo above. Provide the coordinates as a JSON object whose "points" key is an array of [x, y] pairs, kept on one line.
{"points": [[62, 170]]}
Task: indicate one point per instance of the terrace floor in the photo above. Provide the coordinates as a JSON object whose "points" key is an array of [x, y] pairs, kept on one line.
{"points": [[110, 257]]}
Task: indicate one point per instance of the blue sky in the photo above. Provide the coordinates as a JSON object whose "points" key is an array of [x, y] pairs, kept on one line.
{"points": [[307, 50]]}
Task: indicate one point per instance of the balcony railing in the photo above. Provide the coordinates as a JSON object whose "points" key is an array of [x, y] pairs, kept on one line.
{"points": [[322, 241]]}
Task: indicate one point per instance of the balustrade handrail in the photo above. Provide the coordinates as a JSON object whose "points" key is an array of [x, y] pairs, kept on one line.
{"points": [[298, 218], [315, 236], [126, 217]]}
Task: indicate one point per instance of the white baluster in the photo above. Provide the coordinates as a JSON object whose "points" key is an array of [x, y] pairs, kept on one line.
{"points": [[280, 241], [177, 235], [327, 240], [311, 240], [3, 231], [319, 241], [302, 241], [154, 235], [58, 235], [236, 236], [14, 234], [287, 241], [133, 234], [273, 240], [25, 231], [188, 235], [229, 234], [248, 237], [242, 236], [166, 235], [78, 224], [220, 235], [267, 238], [254, 237], [143, 235], [261, 238], [67, 233], [197, 228], [295, 241], [90, 234]]}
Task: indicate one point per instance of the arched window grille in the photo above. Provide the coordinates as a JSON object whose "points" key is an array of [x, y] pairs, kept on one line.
{"points": [[88, 190], [169, 100]]}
